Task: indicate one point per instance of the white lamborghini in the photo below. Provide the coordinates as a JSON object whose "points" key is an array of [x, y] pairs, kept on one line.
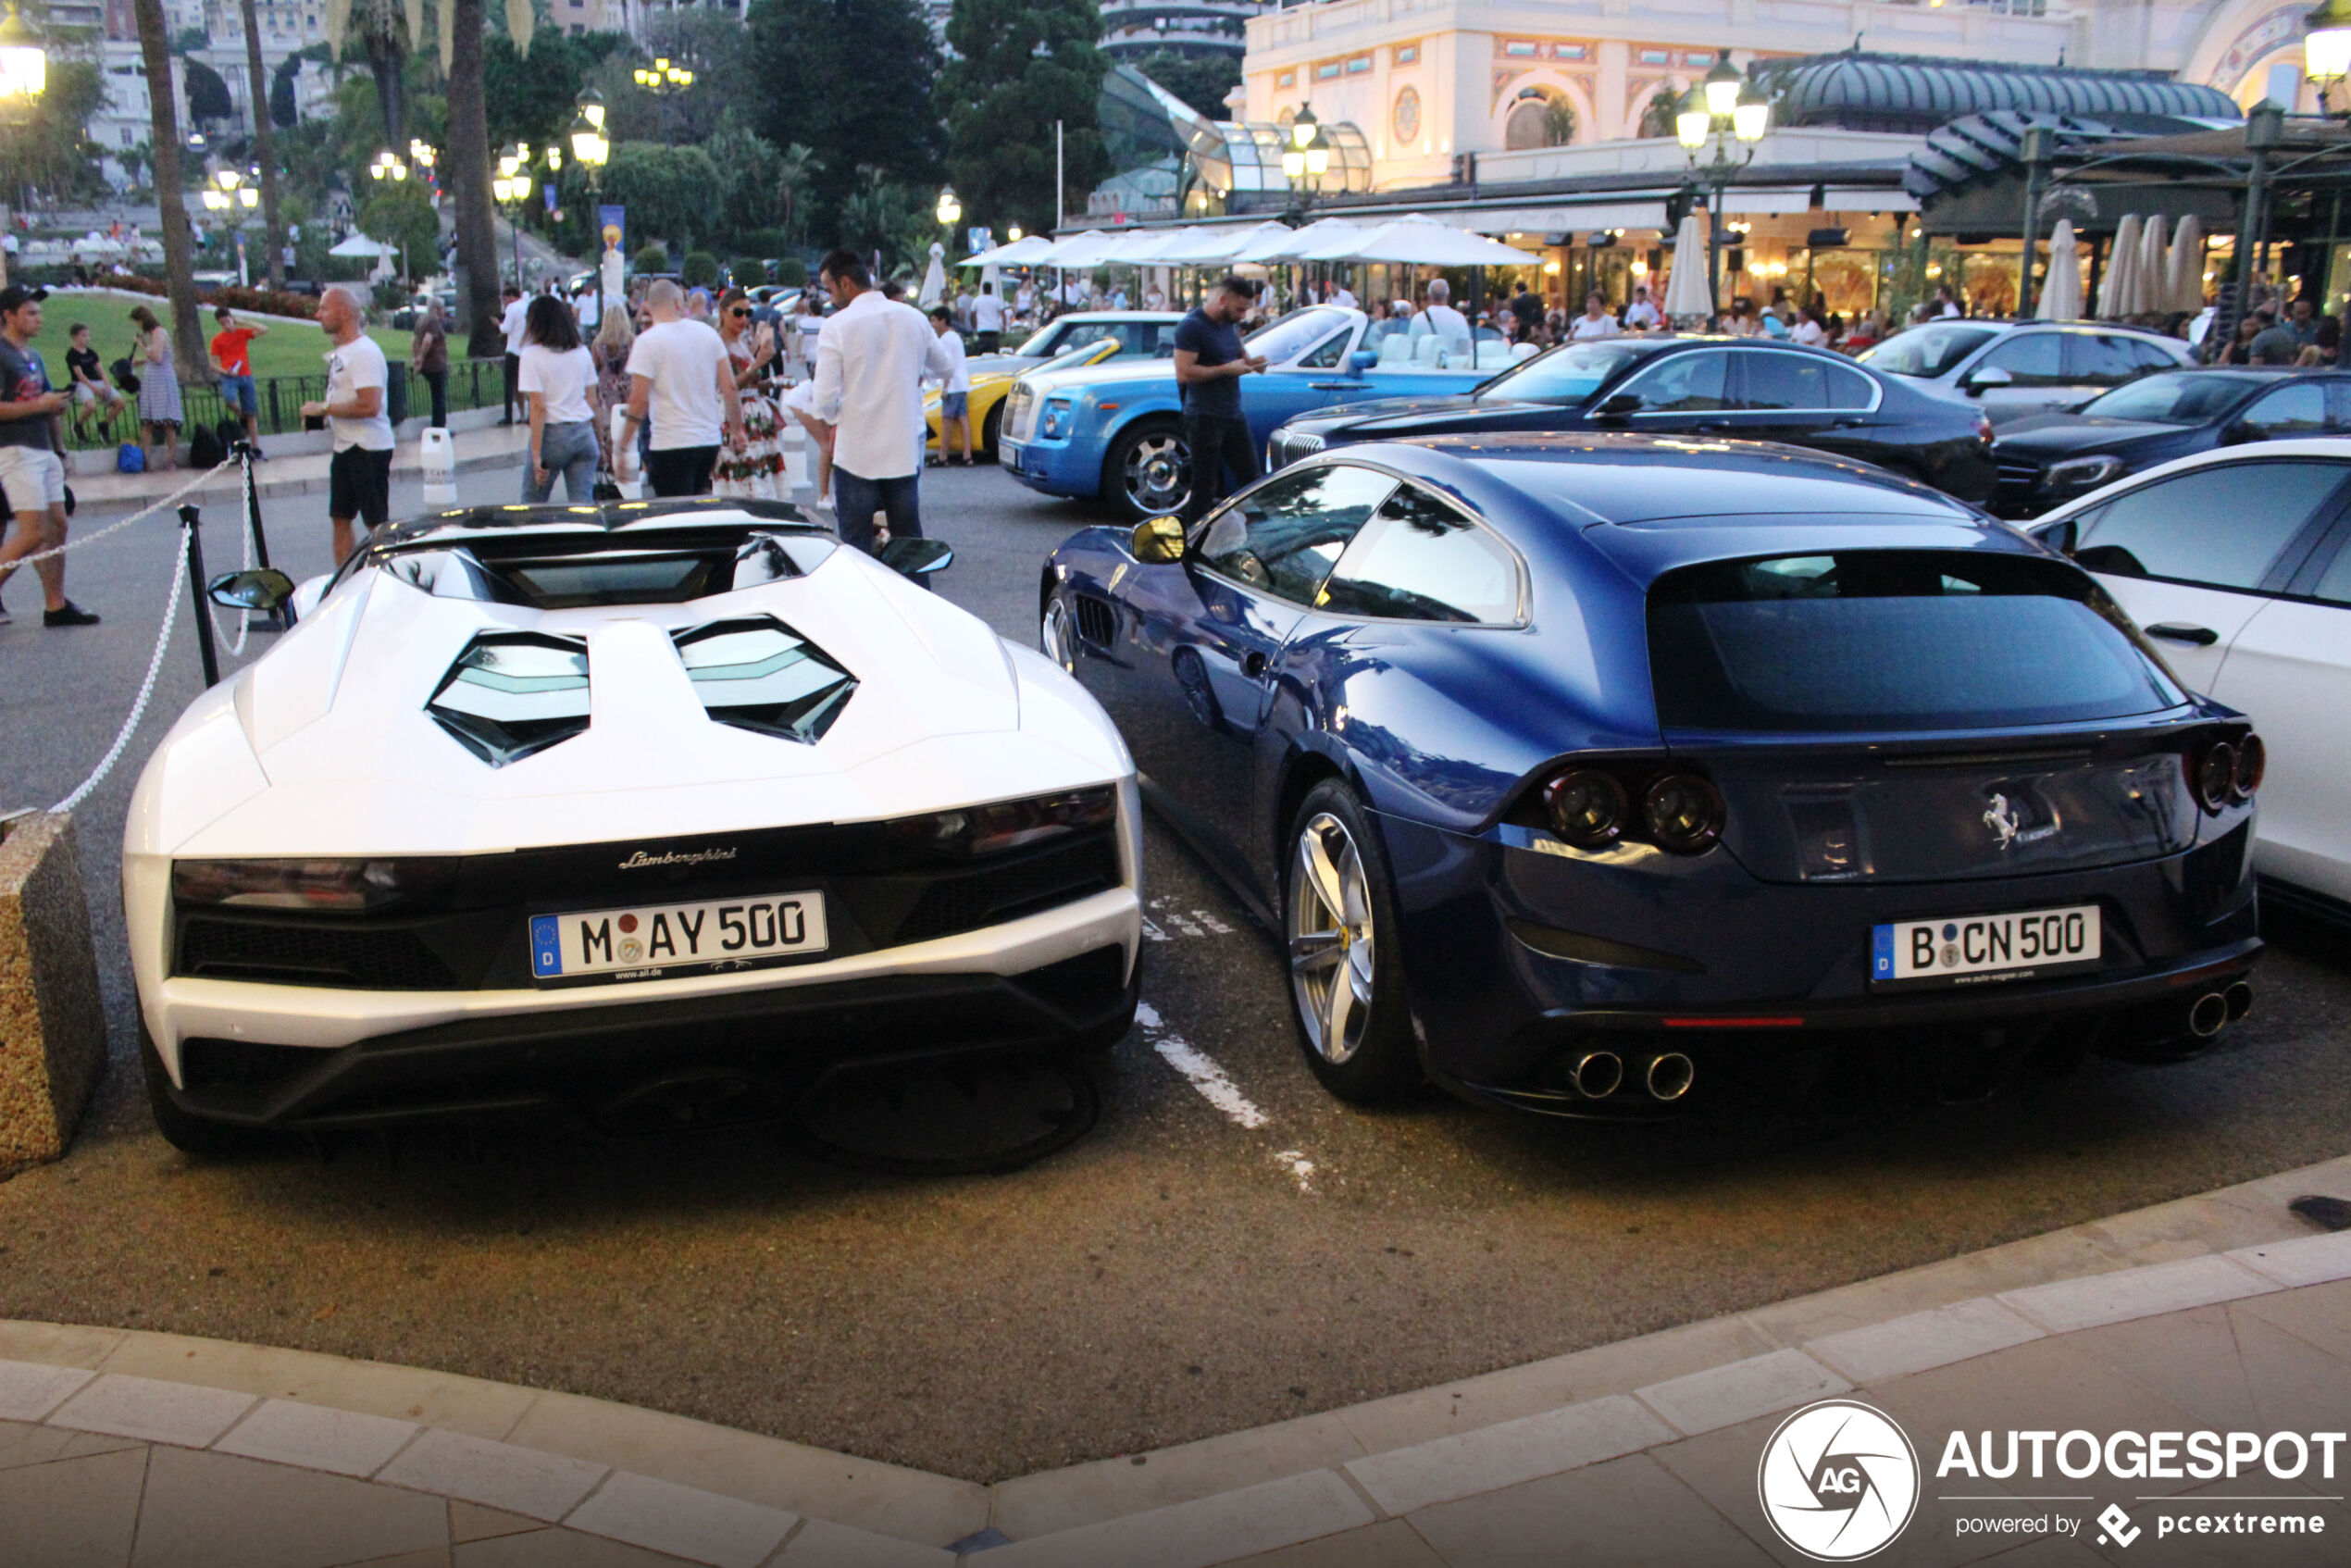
{"points": [[659, 812]]}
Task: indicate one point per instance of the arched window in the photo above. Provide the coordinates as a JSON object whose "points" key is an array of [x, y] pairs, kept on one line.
{"points": [[1540, 118]]}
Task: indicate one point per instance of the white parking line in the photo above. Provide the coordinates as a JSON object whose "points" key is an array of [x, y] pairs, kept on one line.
{"points": [[1217, 1087], [1204, 1074]]}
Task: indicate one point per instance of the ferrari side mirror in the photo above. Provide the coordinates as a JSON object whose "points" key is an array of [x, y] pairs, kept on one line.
{"points": [[1158, 541]]}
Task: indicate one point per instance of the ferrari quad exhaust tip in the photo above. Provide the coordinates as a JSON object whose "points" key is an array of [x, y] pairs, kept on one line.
{"points": [[1599, 1073], [2239, 996], [1670, 1077]]}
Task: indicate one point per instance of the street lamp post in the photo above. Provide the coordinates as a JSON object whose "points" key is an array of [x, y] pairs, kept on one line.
{"points": [[665, 81], [512, 188], [231, 196], [1725, 107], [2326, 47], [24, 76]]}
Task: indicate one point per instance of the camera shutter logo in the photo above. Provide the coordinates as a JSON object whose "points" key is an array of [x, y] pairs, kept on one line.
{"points": [[1838, 1481]]}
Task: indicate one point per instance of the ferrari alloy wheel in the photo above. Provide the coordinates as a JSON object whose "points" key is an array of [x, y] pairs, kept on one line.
{"points": [[1150, 472], [1338, 920], [1056, 637]]}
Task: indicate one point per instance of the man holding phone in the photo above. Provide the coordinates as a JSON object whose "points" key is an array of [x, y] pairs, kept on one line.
{"points": [[1210, 362]]}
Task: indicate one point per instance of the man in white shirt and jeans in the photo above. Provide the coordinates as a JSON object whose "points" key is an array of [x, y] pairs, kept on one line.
{"points": [[988, 313], [511, 324], [679, 374], [870, 366], [954, 394], [359, 474]]}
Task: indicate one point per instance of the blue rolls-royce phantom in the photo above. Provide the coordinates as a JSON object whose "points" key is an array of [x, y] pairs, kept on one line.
{"points": [[1115, 431]]}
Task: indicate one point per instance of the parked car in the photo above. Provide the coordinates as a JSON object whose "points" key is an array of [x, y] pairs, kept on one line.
{"points": [[2238, 563], [1750, 390], [1144, 334], [657, 814], [2014, 368], [1608, 775], [1088, 338], [1116, 431], [2049, 459]]}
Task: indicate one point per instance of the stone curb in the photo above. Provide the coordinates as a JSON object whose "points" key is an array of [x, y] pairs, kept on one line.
{"points": [[713, 1495]]}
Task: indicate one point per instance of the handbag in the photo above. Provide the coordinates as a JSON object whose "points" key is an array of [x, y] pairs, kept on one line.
{"points": [[124, 377]]}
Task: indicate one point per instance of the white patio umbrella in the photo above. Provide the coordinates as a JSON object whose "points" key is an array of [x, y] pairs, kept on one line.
{"points": [[1023, 252], [1418, 240], [359, 244], [2119, 290], [1089, 249], [2154, 266], [1278, 243], [2184, 274], [1685, 292], [1207, 246], [2061, 295], [1142, 247], [934, 278]]}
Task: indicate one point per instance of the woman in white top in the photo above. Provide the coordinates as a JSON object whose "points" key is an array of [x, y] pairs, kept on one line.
{"points": [[556, 377]]}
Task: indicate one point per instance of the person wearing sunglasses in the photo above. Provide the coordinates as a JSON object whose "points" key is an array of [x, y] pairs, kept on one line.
{"points": [[756, 471]]}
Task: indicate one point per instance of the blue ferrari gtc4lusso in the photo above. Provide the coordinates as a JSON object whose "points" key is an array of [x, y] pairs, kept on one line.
{"points": [[1608, 776]]}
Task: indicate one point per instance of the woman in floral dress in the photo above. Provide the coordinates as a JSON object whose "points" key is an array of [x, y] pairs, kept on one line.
{"points": [[754, 473]]}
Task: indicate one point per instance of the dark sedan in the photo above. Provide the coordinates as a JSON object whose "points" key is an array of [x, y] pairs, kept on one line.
{"points": [[2049, 459], [1606, 775], [1709, 387]]}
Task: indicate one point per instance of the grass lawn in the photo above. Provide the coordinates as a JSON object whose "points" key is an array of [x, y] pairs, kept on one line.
{"points": [[290, 348]]}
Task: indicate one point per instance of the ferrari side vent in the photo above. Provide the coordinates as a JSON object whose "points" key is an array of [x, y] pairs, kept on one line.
{"points": [[511, 694], [1097, 622], [758, 674]]}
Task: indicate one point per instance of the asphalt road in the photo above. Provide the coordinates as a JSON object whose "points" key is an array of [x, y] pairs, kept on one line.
{"points": [[1174, 1273]]}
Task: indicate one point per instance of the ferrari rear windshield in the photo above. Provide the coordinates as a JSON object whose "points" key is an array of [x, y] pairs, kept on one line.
{"points": [[1892, 640]]}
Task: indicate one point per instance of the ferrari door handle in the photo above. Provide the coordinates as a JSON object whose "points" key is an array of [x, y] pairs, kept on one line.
{"points": [[2180, 631]]}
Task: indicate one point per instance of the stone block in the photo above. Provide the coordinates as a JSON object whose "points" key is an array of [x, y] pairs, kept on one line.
{"points": [[53, 1027]]}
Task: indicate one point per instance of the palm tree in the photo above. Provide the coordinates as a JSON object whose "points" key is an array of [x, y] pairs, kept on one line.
{"points": [[796, 167], [263, 151], [382, 29], [187, 329], [470, 172]]}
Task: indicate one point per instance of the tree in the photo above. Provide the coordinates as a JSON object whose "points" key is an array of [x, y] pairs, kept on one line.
{"points": [[380, 29], [45, 147], [1021, 65], [671, 192], [1200, 80], [189, 38], [851, 79], [264, 152], [208, 93], [283, 110], [468, 165], [187, 330], [402, 214], [885, 216], [533, 100], [1657, 115]]}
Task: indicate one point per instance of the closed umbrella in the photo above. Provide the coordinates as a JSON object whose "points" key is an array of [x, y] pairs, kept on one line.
{"points": [[1685, 292], [2184, 275], [934, 278], [2061, 295], [2155, 268], [2119, 290]]}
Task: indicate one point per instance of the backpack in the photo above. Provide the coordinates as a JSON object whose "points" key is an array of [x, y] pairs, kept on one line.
{"points": [[124, 377], [130, 459], [232, 431], [204, 448]]}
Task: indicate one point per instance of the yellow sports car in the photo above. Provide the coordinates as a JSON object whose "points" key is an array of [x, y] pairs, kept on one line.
{"points": [[991, 387], [1080, 338]]}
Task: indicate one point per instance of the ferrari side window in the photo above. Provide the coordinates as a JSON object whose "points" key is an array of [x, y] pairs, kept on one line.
{"points": [[1419, 559], [1284, 536]]}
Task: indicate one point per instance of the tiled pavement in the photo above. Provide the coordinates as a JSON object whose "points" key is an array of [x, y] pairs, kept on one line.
{"points": [[154, 1450]]}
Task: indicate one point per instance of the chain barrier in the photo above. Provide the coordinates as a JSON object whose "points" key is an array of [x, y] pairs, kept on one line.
{"points": [[244, 616], [147, 687], [173, 500]]}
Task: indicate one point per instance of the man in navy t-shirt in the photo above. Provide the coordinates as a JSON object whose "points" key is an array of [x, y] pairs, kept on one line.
{"points": [[1210, 362]]}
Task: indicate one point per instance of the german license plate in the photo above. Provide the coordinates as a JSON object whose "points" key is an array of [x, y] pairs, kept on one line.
{"points": [[1983, 948], [662, 940]]}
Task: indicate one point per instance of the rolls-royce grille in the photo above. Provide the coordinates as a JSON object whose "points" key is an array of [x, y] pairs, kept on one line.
{"points": [[472, 933], [1020, 412]]}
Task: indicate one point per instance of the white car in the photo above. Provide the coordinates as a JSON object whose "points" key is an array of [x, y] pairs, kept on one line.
{"points": [[657, 811], [2238, 564]]}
